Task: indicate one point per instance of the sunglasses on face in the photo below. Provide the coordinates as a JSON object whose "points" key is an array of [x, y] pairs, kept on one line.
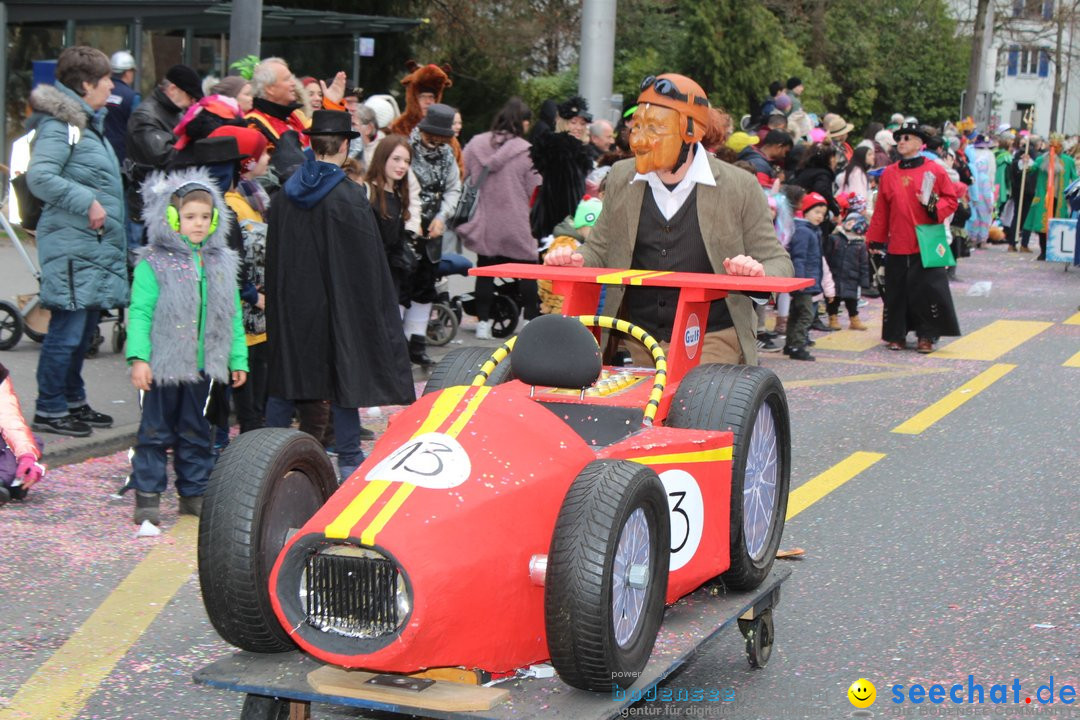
{"points": [[665, 87]]}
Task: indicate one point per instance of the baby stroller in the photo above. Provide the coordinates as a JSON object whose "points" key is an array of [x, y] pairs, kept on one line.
{"points": [[444, 320], [877, 271], [28, 317], [505, 307]]}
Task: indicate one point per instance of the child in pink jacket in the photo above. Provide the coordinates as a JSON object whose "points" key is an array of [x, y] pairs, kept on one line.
{"points": [[19, 454]]}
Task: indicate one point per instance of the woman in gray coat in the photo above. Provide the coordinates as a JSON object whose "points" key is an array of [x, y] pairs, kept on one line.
{"points": [[499, 231], [81, 241]]}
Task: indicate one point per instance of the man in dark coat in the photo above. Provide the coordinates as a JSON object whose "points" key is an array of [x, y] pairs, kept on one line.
{"points": [[150, 142], [332, 319], [121, 103]]}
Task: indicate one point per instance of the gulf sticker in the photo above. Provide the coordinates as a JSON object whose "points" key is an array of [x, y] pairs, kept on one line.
{"points": [[692, 335]]}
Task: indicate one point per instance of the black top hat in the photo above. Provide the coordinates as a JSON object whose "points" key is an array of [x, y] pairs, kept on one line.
{"points": [[331, 122], [909, 128], [212, 151], [438, 121]]}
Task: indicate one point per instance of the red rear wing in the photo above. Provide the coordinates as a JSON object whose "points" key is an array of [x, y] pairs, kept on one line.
{"points": [[580, 288]]}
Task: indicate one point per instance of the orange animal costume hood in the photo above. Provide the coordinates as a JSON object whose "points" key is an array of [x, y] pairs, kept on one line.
{"points": [[421, 78]]}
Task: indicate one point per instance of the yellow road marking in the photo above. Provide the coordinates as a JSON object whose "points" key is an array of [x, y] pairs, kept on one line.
{"points": [[921, 421], [813, 490], [1074, 361], [62, 685], [850, 340], [1074, 320], [992, 341], [865, 377], [713, 455]]}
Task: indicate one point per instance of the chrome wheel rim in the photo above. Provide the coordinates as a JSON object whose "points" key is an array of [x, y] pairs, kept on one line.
{"points": [[759, 483], [631, 554]]}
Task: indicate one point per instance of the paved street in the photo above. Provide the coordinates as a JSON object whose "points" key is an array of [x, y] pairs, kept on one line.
{"points": [[935, 498]]}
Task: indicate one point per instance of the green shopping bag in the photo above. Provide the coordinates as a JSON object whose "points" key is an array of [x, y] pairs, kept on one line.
{"points": [[934, 246]]}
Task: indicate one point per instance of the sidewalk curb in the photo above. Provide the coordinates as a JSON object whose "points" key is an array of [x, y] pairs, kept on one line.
{"points": [[101, 442]]}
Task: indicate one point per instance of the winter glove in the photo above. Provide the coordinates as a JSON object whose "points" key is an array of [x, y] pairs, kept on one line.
{"points": [[28, 471]]}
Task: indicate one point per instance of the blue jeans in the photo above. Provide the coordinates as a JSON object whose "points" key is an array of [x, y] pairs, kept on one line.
{"points": [[134, 238], [59, 370], [279, 413]]}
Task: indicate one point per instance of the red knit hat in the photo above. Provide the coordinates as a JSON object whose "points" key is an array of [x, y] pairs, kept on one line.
{"points": [[251, 143], [810, 200]]}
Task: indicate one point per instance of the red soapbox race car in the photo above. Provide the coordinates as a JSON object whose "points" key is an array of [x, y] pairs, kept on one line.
{"points": [[540, 508]]}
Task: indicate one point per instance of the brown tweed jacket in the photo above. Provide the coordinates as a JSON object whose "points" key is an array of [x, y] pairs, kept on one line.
{"points": [[734, 219]]}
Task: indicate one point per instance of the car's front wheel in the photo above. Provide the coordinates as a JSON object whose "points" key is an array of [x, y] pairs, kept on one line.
{"points": [[266, 483], [607, 575]]}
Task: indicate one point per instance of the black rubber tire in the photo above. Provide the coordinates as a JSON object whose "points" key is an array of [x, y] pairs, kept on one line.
{"points": [[727, 397], [504, 316], [265, 483], [119, 337], [11, 325], [459, 367], [759, 637], [578, 611], [260, 707], [442, 326]]}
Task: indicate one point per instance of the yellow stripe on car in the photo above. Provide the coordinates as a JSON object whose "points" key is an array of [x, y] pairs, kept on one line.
{"points": [[697, 456]]}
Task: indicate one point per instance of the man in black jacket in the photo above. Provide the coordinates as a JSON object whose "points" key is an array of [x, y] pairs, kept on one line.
{"points": [[769, 155], [332, 321], [150, 138]]}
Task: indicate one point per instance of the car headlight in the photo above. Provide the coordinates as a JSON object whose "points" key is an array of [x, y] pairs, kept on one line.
{"points": [[353, 591]]}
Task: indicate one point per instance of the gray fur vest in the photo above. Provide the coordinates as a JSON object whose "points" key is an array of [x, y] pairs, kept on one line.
{"points": [[180, 311]]}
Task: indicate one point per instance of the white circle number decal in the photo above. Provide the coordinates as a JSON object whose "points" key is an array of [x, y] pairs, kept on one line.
{"points": [[432, 460], [687, 509]]}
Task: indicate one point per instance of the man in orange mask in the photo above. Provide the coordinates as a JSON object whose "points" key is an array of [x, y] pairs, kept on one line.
{"points": [[674, 207]]}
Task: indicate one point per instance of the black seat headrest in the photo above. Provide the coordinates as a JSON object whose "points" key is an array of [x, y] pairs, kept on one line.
{"points": [[556, 351]]}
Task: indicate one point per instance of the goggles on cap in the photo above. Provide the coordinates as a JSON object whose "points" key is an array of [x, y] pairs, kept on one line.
{"points": [[682, 95]]}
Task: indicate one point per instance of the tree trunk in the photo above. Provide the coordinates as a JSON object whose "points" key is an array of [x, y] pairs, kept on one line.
{"points": [[975, 66]]}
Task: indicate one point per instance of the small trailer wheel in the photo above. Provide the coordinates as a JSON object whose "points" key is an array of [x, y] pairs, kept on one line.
{"points": [[759, 638], [260, 707]]}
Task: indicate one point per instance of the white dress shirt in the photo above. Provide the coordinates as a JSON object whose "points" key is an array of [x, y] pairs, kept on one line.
{"points": [[669, 201]]}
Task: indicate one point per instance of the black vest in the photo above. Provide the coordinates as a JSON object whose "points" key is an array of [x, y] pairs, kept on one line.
{"points": [[674, 245]]}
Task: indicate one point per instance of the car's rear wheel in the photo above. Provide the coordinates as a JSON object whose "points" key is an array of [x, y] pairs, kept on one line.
{"points": [[261, 707], [266, 483], [750, 402], [460, 366], [607, 573]]}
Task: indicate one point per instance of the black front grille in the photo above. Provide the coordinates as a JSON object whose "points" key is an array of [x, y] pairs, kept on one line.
{"points": [[353, 596]]}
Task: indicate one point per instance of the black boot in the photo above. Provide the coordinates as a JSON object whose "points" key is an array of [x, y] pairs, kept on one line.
{"points": [[418, 351]]}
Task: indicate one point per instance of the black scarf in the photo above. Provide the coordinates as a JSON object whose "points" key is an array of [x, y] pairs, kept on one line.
{"points": [[273, 109], [914, 162]]}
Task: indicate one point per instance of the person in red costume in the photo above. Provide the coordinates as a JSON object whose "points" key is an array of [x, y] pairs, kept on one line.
{"points": [[673, 207], [912, 192], [19, 454]]}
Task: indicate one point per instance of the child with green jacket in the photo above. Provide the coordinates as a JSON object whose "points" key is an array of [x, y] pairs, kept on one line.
{"points": [[185, 333]]}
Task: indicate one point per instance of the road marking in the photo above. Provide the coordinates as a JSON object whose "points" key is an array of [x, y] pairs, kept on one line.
{"points": [[1074, 361], [62, 685], [921, 421], [850, 340], [992, 341], [816, 488], [865, 377], [1074, 320]]}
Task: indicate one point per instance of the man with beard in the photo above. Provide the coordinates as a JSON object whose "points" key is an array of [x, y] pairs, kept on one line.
{"points": [[913, 192], [673, 207]]}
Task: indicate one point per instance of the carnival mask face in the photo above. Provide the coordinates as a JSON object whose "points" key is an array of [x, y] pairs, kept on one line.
{"points": [[655, 139]]}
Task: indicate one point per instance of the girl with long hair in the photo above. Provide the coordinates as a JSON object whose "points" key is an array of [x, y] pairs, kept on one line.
{"points": [[387, 183]]}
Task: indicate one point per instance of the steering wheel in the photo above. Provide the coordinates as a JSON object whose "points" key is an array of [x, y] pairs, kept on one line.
{"points": [[610, 323]]}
